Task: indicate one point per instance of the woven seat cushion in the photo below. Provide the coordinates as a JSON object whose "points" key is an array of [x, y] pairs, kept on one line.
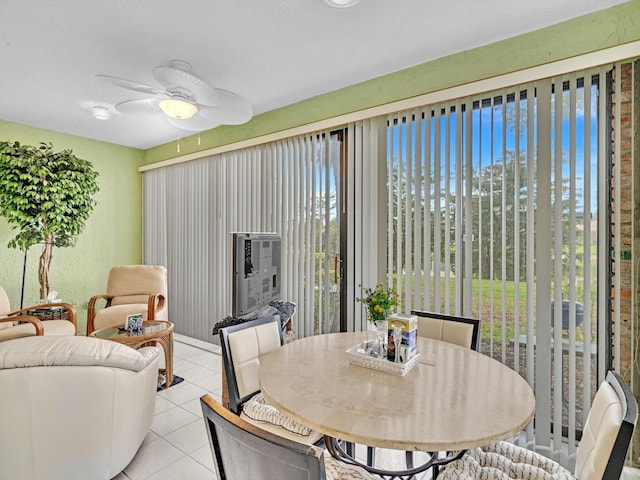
{"points": [[337, 470], [259, 412], [504, 461]]}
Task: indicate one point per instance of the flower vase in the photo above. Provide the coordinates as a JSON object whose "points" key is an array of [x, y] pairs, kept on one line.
{"points": [[382, 333]]}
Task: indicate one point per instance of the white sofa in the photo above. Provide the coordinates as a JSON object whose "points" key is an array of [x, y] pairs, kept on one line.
{"points": [[73, 407]]}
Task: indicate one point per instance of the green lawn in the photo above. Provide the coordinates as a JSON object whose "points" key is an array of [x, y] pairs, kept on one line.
{"points": [[487, 304]]}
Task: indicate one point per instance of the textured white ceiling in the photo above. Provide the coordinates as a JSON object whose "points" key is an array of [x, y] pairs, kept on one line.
{"points": [[272, 52]]}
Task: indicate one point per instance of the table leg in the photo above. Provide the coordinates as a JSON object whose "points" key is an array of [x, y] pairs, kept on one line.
{"points": [[336, 450], [167, 346]]}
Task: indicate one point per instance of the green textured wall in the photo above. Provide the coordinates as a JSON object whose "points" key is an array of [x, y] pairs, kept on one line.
{"points": [[113, 234], [586, 34]]}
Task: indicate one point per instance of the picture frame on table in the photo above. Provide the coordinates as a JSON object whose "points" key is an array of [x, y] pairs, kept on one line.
{"points": [[134, 322]]}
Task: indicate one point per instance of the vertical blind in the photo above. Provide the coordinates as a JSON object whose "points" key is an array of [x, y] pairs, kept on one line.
{"points": [[190, 209], [493, 209]]}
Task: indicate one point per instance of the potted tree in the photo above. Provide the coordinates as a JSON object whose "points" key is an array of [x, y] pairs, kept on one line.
{"points": [[47, 196]]}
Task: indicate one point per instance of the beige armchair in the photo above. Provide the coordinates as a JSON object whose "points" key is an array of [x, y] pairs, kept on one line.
{"points": [[17, 324], [73, 408], [130, 289]]}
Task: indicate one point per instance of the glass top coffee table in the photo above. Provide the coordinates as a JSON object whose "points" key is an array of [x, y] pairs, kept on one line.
{"points": [[152, 332]]}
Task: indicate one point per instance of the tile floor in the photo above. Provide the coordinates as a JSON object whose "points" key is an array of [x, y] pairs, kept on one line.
{"points": [[177, 446]]}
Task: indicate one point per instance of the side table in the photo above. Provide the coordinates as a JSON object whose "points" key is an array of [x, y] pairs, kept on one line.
{"points": [[154, 331], [50, 313]]}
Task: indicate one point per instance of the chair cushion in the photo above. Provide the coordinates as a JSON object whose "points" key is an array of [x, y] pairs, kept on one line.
{"points": [[69, 350], [6, 324], [51, 327], [116, 316], [137, 279], [258, 408], [504, 461], [337, 470], [142, 299], [5, 306]]}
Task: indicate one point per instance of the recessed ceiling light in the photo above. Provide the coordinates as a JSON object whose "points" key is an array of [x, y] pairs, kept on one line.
{"points": [[341, 3], [101, 113]]}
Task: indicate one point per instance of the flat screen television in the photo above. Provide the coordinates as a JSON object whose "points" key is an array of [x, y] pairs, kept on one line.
{"points": [[255, 271]]}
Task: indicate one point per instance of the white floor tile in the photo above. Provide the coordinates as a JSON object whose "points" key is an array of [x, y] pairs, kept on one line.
{"points": [[171, 420], [183, 469], [193, 406], [212, 346], [209, 382], [182, 350], [182, 393], [189, 438], [191, 371], [162, 404], [150, 437], [151, 458], [207, 360], [205, 457]]}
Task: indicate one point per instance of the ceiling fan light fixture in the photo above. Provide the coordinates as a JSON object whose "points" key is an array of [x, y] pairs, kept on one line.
{"points": [[101, 113], [341, 3], [178, 109]]}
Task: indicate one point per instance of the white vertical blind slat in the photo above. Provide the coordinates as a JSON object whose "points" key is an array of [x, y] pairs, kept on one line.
{"points": [[557, 186], [503, 228]]}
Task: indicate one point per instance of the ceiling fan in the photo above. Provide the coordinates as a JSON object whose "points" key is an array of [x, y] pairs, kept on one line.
{"points": [[188, 102]]}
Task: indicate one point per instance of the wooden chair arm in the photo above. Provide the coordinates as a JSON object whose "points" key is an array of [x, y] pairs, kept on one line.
{"points": [[73, 316], [26, 318], [156, 302], [91, 309]]}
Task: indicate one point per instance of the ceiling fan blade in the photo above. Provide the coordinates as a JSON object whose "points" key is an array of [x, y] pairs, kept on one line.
{"points": [[232, 110], [185, 82], [131, 85], [197, 123], [145, 106]]}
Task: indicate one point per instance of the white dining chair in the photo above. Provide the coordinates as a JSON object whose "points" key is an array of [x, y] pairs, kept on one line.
{"points": [[448, 328], [601, 451], [242, 346]]}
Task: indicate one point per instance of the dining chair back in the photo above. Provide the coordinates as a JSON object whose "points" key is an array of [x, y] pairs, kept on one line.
{"points": [[608, 431], [242, 345], [457, 330], [244, 450]]}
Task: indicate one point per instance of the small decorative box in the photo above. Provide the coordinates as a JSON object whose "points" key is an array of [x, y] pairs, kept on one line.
{"points": [[409, 331]]}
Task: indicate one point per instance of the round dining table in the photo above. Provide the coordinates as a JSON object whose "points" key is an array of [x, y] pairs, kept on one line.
{"points": [[453, 399]]}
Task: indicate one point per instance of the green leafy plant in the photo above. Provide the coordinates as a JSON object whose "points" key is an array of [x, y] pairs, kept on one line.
{"points": [[47, 196], [379, 301]]}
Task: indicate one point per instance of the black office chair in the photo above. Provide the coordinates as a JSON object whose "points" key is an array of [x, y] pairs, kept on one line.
{"points": [[601, 452], [244, 451]]}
